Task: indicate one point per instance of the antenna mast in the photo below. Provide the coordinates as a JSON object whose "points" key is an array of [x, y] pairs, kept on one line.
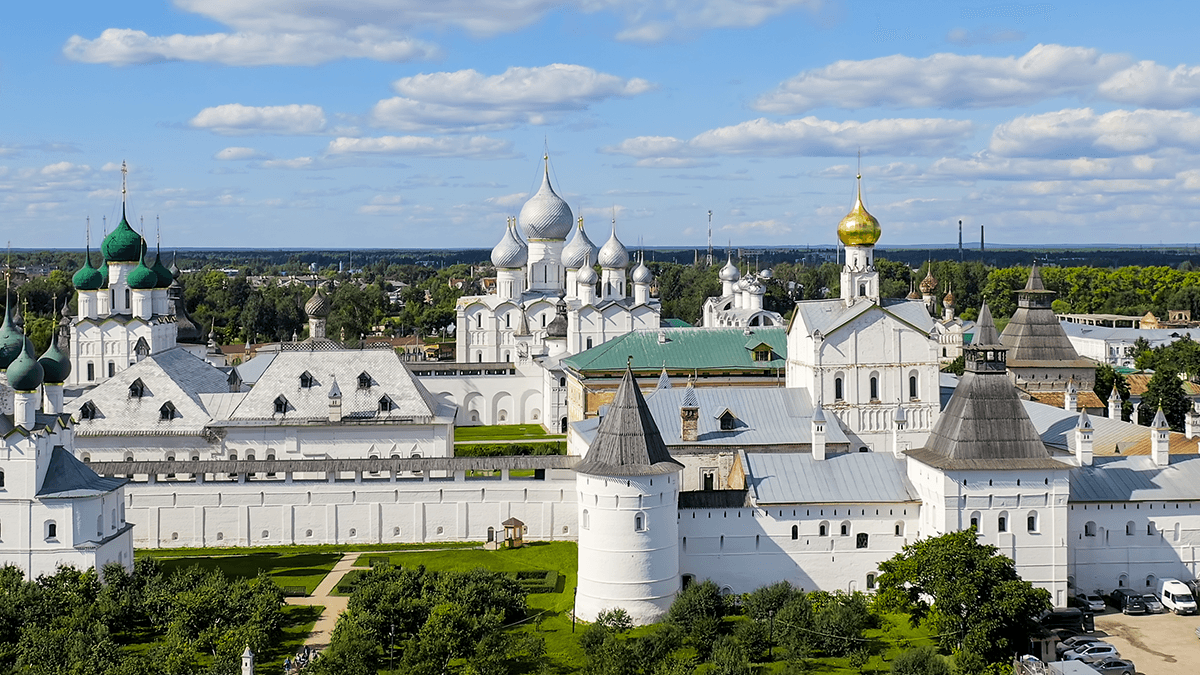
{"points": [[710, 257]]}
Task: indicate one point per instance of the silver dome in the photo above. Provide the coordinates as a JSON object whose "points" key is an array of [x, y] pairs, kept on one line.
{"points": [[546, 215], [587, 274], [730, 271], [511, 252], [613, 255], [578, 249], [642, 274]]}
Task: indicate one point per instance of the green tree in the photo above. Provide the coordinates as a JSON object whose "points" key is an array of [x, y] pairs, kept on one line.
{"points": [[1164, 390], [966, 592], [920, 661], [1106, 378]]}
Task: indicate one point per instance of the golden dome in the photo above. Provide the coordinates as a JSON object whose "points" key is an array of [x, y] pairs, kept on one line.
{"points": [[859, 228]]}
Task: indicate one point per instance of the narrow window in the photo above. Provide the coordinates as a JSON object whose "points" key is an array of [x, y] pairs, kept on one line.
{"points": [[860, 541], [479, 320], [589, 343], [587, 522], [899, 529], [51, 530], [639, 522], [912, 387], [837, 389], [795, 532], [823, 530], [91, 371], [562, 381], [508, 320], [1002, 524], [874, 388], [845, 529], [112, 369], [1031, 523], [870, 582]]}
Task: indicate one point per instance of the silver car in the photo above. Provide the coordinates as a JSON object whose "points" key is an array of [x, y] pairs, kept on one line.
{"points": [[1153, 604], [1090, 601], [1115, 666], [1095, 651]]}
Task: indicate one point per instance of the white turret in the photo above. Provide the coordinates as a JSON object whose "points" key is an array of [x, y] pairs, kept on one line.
{"points": [[574, 254], [1083, 439], [510, 257], [729, 275], [1071, 398], [614, 259], [1160, 439], [1114, 404], [585, 281], [818, 433], [642, 277]]}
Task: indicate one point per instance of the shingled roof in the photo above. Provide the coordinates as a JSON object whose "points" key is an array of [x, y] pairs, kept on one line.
{"points": [[985, 425], [628, 442], [1034, 333]]}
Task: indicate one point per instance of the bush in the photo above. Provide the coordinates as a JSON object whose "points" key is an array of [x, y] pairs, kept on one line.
{"points": [[920, 661], [754, 637], [615, 619], [767, 600], [729, 658]]}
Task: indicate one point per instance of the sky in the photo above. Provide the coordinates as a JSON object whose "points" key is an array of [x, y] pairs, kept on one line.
{"points": [[419, 124]]}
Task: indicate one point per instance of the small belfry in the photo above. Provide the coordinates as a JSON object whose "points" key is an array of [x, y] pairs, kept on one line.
{"points": [[859, 231]]}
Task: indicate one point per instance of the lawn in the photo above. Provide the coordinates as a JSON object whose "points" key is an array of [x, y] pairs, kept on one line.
{"points": [[502, 432], [298, 621], [318, 548], [894, 637], [287, 569]]}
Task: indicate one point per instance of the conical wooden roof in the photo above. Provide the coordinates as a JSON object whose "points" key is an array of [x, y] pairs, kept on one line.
{"points": [[628, 442]]}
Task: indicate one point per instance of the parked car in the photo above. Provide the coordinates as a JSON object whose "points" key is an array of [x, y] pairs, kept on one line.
{"points": [[1114, 666], [1176, 596], [1128, 601], [1090, 601], [1152, 604], [1091, 652], [1077, 641]]}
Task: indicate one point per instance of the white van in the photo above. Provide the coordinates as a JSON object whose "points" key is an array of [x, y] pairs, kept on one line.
{"points": [[1176, 597]]}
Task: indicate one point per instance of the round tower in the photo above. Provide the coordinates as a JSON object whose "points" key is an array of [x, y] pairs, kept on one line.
{"points": [[628, 487]]}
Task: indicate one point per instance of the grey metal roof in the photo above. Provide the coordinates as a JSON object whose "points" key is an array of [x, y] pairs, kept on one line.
{"points": [[852, 477], [381, 464], [1122, 479], [253, 369], [829, 315], [628, 442], [219, 406], [1153, 335], [69, 477], [1109, 437], [765, 416]]}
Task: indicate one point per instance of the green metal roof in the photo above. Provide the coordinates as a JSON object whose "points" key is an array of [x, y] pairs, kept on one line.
{"points": [[676, 323], [685, 349]]}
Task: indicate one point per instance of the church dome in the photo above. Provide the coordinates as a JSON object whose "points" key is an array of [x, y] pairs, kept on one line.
{"points": [[948, 301], [175, 271], [142, 278], [511, 252], [587, 273], [165, 277], [56, 365], [730, 271], [122, 245], [929, 283], [576, 251], [558, 327], [11, 341], [88, 278], [859, 228], [546, 215], [613, 255], [104, 274], [317, 306], [642, 274], [25, 373]]}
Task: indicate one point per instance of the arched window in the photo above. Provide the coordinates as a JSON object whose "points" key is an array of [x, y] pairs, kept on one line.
{"points": [[1002, 522], [846, 528], [1150, 529], [912, 387], [100, 524], [860, 541], [823, 530], [975, 520], [1129, 528], [562, 381], [795, 532], [1031, 522], [899, 528], [1150, 581], [586, 520], [870, 582], [639, 522], [838, 393], [1123, 581], [51, 529], [1089, 529], [491, 534], [874, 388]]}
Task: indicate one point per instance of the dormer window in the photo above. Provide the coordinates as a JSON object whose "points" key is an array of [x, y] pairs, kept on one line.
{"points": [[728, 421], [88, 411], [137, 389], [386, 404], [167, 412], [281, 405], [307, 381], [762, 354], [364, 381]]}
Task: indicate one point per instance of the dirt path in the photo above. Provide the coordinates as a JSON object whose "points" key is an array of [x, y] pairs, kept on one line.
{"points": [[1158, 644]]}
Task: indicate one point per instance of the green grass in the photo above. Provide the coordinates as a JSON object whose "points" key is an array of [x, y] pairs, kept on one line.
{"points": [[502, 432], [298, 623], [894, 637], [317, 548], [295, 569]]}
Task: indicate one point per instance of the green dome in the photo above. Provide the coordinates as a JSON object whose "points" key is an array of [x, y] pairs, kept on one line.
{"points": [[122, 245], [25, 373], [11, 341], [88, 278], [104, 274], [160, 270], [56, 365], [142, 278]]}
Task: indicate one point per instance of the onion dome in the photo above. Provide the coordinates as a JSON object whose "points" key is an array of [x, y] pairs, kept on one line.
{"points": [[511, 252], [948, 301], [11, 340], [730, 271], [165, 277], [766, 274], [317, 306], [25, 373], [642, 274], [104, 274], [859, 228], [914, 295], [613, 255], [142, 278], [576, 250], [88, 278], [56, 365], [123, 245], [546, 215], [175, 271], [929, 283], [587, 273], [755, 286], [558, 327]]}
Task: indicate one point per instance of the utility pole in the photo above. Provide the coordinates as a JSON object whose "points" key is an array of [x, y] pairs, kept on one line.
{"points": [[710, 258], [981, 249], [960, 251]]}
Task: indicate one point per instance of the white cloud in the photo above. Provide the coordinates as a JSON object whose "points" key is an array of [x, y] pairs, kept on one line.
{"points": [[60, 170], [469, 99], [508, 201], [236, 153], [1081, 132], [474, 147], [1151, 85], [124, 46], [296, 163], [770, 227], [235, 118], [672, 163], [806, 137], [945, 81], [985, 166]]}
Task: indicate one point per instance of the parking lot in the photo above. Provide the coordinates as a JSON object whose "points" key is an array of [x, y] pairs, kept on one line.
{"points": [[1158, 644]]}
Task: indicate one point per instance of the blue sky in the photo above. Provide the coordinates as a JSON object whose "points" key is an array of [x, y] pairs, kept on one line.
{"points": [[409, 123]]}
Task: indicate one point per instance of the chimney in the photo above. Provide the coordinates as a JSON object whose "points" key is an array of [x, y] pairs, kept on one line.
{"points": [[1083, 439], [818, 433], [335, 403], [247, 661], [1191, 424], [1071, 398], [1160, 439], [689, 415], [1114, 405], [899, 424]]}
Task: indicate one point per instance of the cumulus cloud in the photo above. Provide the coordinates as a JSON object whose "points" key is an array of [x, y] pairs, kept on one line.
{"points": [[1151, 85], [474, 147], [945, 81], [1081, 132], [236, 153], [469, 99], [125, 46], [235, 118], [295, 163], [806, 137]]}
